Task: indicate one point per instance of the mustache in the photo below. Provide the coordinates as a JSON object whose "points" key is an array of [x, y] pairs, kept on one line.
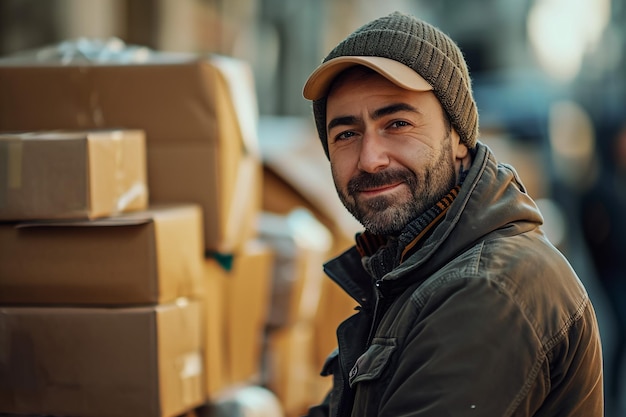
{"points": [[367, 180]]}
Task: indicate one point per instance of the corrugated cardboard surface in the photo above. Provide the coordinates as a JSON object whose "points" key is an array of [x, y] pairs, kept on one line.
{"points": [[214, 329], [195, 142], [301, 244], [93, 362], [247, 294], [142, 257], [63, 174], [238, 305], [291, 373]]}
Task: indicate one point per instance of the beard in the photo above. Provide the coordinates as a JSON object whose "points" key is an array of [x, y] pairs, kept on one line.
{"points": [[387, 215]]}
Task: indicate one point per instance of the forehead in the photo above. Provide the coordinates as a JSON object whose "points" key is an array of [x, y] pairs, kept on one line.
{"points": [[362, 81], [355, 73], [355, 87]]}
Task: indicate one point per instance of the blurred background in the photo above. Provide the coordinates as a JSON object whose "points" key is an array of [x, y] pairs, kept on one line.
{"points": [[549, 79]]}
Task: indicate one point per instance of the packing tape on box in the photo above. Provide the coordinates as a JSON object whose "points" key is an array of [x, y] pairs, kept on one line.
{"points": [[190, 365], [135, 192], [127, 193]]}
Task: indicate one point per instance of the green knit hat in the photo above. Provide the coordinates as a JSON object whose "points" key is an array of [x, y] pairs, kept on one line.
{"points": [[436, 63]]}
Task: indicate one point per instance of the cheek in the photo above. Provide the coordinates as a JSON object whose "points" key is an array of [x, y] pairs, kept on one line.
{"points": [[341, 173], [415, 158]]}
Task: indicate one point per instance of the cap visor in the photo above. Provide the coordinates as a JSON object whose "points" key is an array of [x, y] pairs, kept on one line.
{"points": [[320, 80]]}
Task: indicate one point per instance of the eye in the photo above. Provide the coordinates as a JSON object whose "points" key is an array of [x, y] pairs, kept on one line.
{"points": [[344, 136], [397, 124]]}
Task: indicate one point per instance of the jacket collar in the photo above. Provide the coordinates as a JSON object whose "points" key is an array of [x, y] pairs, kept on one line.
{"points": [[380, 255]]}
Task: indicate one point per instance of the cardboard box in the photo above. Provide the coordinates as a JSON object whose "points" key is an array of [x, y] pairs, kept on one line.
{"points": [[65, 175], [243, 289], [247, 294], [214, 330], [151, 256], [97, 362], [290, 370], [199, 115], [301, 245]]}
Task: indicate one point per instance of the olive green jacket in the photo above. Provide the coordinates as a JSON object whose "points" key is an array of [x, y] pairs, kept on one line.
{"points": [[486, 318]]}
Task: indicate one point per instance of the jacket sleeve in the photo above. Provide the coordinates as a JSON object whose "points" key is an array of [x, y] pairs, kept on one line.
{"points": [[465, 351]]}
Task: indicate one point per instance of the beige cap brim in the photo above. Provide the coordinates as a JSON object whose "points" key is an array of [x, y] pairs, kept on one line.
{"points": [[320, 80]]}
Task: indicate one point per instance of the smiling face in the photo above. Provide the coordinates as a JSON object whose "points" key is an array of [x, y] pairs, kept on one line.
{"points": [[393, 154]]}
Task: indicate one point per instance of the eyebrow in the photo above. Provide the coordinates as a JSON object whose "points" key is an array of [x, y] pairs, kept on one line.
{"points": [[377, 114], [342, 121], [393, 108]]}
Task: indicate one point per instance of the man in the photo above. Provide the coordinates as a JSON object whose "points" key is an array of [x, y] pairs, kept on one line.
{"points": [[465, 307]]}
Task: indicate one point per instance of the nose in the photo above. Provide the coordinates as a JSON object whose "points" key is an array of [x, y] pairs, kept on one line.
{"points": [[373, 155]]}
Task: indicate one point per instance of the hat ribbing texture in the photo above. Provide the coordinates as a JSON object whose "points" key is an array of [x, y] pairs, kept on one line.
{"points": [[425, 49]]}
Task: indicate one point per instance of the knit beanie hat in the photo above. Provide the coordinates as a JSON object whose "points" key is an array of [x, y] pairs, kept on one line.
{"points": [[410, 53]]}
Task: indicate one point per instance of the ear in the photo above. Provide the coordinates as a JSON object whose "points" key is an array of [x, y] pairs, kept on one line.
{"points": [[460, 150], [462, 155]]}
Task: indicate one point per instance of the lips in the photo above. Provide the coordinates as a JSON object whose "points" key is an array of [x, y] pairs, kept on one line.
{"points": [[380, 189], [379, 182]]}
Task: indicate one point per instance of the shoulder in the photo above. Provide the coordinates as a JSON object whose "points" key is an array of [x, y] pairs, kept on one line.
{"points": [[522, 275]]}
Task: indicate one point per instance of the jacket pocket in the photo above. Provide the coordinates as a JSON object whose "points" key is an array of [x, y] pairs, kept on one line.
{"points": [[372, 363]]}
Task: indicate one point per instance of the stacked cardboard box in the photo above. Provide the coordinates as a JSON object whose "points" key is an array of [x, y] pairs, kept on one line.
{"points": [[95, 361], [92, 318], [120, 314], [102, 173], [198, 114]]}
